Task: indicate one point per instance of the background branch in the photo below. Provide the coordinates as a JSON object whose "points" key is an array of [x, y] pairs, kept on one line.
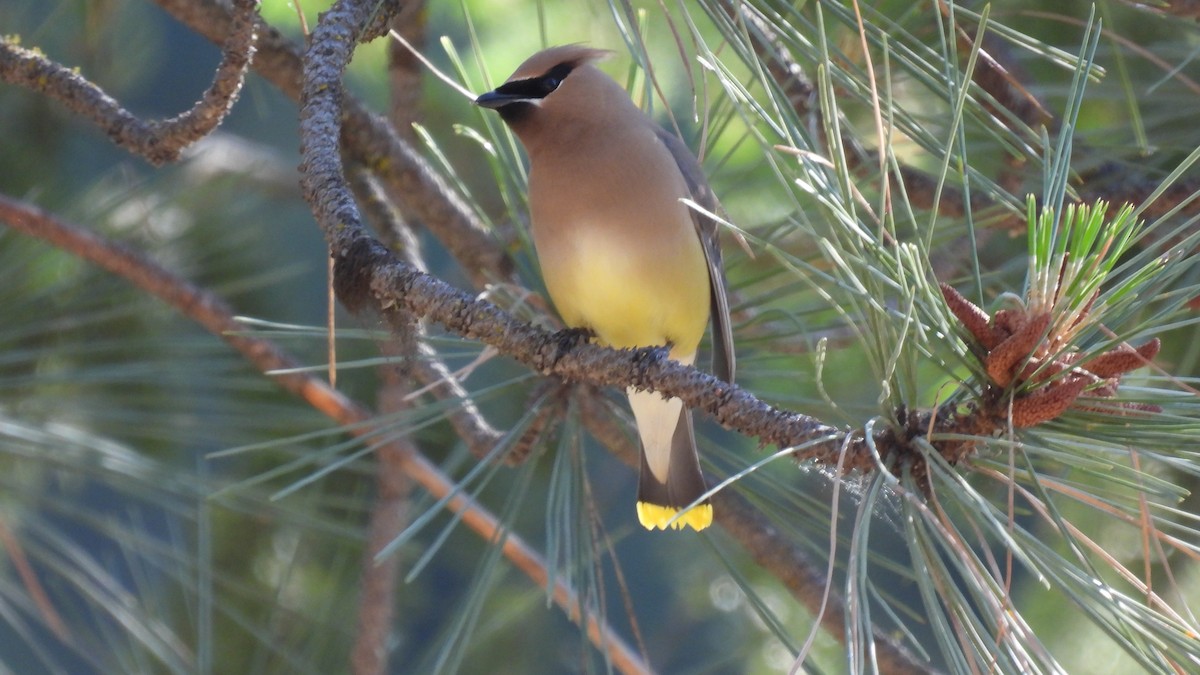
{"points": [[217, 318], [849, 282], [371, 141], [157, 142]]}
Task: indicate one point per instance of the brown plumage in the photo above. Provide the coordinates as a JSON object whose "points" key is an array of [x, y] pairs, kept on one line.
{"points": [[620, 254]]}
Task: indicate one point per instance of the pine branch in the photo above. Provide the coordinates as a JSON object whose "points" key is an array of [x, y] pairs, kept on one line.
{"points": [[158, 142], [371, 141], [215, 316], [1014, 350]]}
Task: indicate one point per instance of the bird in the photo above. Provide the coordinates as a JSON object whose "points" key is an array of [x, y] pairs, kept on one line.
{"points": [[622, 256]]}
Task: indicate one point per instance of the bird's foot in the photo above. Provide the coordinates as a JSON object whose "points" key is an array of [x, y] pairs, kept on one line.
{"points": [[652, 355], [564, 342], [570, 338]]}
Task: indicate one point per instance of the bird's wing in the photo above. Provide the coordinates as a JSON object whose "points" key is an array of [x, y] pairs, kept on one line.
{"points": [[723, 358]]}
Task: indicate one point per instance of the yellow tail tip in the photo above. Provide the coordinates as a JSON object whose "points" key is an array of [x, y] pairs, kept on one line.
{"points": [[655, 516]]}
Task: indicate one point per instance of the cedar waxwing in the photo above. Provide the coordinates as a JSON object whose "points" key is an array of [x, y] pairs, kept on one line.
{"points": [[621, 255]]}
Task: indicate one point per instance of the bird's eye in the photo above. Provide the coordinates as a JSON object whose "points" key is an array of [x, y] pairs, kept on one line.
{"points": [[554, 78]]}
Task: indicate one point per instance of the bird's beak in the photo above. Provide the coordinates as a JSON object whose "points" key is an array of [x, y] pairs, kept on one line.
{"points": [[495, 99]]}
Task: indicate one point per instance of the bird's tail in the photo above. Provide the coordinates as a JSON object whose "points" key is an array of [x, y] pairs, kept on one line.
{"points": [[670, 479]]}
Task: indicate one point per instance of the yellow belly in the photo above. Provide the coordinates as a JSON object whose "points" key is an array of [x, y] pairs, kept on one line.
{"points": [[631, 293]]}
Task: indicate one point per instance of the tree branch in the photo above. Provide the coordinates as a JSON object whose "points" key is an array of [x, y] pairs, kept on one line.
{"points": [[369, 276], [368, 138], [789, 563], [215, 316], [158, 142], [427, 366]]}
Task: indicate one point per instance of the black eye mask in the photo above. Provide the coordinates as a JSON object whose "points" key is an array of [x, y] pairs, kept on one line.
{"points": [[537, 87]]}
